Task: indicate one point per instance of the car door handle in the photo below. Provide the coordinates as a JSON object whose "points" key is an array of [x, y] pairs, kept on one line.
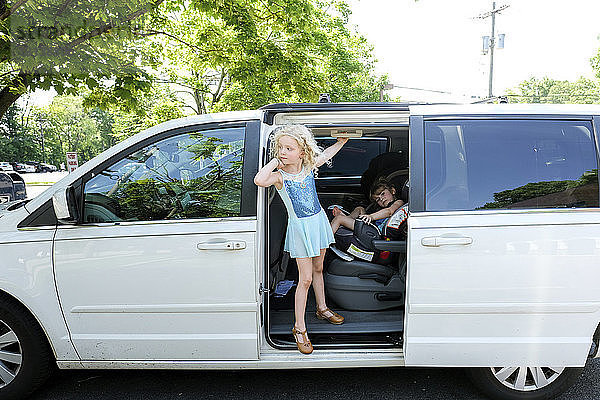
{"points": [[437, 241], [222, 245]]}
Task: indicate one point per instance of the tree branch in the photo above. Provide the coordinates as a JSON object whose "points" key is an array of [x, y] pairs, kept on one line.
{"points": [[7, 13], [193, 46], [106, 27], [152, 33], [11, 92]]}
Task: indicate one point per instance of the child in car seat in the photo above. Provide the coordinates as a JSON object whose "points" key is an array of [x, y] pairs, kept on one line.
{"points": [[296, 157], [384, 194]]}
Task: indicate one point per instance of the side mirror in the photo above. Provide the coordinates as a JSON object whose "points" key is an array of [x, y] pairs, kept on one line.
{"points": [[65, 206]]}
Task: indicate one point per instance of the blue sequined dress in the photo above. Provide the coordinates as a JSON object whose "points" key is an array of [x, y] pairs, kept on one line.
{"points": [[308, 229]]}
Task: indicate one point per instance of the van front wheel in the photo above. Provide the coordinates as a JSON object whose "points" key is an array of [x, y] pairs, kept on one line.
{"points": [[524, 383], [25, 357]]}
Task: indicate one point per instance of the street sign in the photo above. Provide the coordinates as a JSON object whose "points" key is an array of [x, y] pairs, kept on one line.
{"points": [[72, 162]]}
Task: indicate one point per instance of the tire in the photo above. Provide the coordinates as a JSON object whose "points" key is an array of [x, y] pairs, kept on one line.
{"points": [[504, 383], [26, 359]]}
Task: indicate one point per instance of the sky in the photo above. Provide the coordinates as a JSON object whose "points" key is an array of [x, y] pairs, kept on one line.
{"points": [[437, 44]]}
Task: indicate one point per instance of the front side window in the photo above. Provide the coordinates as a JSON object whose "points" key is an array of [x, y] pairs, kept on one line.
{"points": [[505, 164], [191, 175]]}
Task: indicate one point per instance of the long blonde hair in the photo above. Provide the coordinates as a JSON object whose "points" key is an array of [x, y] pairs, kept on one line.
{"points": [[305, 140]]}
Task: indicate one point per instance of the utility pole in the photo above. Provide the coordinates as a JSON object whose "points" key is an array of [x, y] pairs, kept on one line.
{"points": [[492, 40]]}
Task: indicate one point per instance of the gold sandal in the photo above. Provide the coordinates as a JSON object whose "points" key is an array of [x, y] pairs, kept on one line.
{"points": [[305, 346], [335, 318]]}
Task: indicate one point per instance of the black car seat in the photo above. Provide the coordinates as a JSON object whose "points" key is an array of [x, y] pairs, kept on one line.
{"points": [[358, 285], [391, 165]]}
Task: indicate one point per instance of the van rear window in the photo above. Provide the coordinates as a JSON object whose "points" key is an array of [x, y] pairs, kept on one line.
{"points": [[353, 159], [504, 164]]}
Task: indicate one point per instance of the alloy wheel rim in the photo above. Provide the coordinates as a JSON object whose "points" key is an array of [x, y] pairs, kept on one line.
{"points": [[11, 356], [526, 379]]}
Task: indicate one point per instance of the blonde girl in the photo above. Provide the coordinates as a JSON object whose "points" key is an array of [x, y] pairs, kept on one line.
{"points": [[295, 158]]}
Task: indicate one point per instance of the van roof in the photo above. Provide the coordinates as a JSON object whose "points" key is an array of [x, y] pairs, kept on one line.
{"points": [[505, 109]]}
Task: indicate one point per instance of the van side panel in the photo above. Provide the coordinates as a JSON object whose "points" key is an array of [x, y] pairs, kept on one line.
{"points": [[522, 294]]}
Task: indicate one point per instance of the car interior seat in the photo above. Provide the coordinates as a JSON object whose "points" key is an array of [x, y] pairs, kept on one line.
{"points": [[360, 285]]}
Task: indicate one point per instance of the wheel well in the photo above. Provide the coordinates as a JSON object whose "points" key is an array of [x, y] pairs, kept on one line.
{"points": [[4, 296]]}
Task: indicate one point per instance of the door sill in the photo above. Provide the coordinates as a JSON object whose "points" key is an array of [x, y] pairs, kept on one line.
{"points": [[328, 358]]}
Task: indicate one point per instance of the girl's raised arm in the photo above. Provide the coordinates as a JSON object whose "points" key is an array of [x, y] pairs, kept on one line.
{"points": [[331, 151], [266, 177]]}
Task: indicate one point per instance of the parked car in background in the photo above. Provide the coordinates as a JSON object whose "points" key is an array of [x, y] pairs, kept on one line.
{"points": [[21, 167], [49, 167], [42, 167], [29, 168], [6, 166], [12, 187]]}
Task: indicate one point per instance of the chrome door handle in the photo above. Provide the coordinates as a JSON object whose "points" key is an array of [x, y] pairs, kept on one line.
{"points": [[437, 241], [222, 245]]}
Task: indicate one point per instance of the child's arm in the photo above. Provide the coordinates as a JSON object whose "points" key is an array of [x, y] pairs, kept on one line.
{"points": [[383, 213], [266, 177], [331, 151]]}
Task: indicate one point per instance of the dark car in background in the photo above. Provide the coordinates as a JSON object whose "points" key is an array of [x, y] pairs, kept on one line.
{"points": [[12, 187]]}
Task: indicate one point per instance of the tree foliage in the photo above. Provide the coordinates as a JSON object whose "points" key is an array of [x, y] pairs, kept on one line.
{"points": [[18, 142], [546, 90], [240, 54], [67, 44]]}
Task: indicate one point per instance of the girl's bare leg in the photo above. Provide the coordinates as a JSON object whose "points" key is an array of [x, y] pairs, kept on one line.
{"points": [[342, 220], [356, 212], [317, 280], [305, 267], [319, 284]]}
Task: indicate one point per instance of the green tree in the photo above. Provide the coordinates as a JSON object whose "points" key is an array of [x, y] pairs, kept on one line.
{"points": [[546, 90], [67, 44], [18, 142], [68, 127], [158, 105], [240, 54]]}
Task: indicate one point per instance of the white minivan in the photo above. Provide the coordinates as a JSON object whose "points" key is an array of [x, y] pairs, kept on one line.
{"points": [[162, 253]]}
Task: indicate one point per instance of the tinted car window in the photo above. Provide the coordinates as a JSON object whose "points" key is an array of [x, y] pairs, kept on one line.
{"points": [[472, 165], [192, 175], [6, 188], [353, 159]]}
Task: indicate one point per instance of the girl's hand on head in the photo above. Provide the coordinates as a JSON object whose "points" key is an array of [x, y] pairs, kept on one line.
{"points": [[366, 218]]}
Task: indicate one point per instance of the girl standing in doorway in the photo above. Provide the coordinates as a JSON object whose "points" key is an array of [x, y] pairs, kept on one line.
{"points": [[296, 157]]}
